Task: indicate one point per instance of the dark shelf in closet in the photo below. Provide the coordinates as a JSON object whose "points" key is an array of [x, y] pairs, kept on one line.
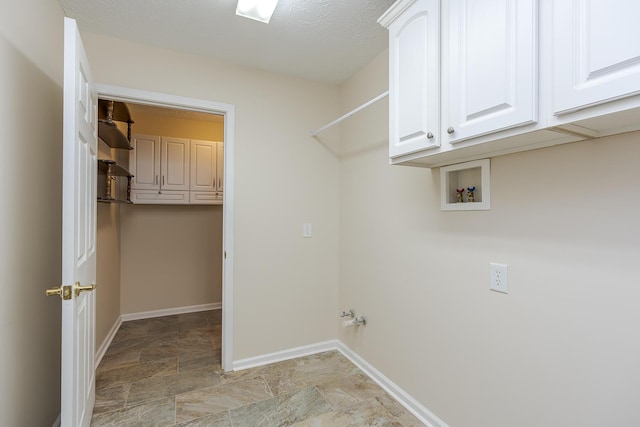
{"points": [[110, 200], [110, 112], [116, 170], [112, 136]]}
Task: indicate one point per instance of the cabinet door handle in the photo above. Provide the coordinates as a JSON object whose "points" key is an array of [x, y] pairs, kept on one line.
{"points": [[219, 183], [430, 135], [162, 179], [155, 181], [450, 130]]}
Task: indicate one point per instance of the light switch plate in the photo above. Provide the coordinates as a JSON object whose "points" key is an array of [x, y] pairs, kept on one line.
{"points": [[306, 230]]}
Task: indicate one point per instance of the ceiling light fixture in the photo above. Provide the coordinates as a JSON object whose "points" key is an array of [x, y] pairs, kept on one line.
{"points": [[260, 10]]}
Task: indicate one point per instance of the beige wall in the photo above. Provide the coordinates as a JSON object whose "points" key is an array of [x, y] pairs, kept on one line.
{"points": [[170, 256], [108, 251], [152, 123], [562, 348], [107, 270], [283, 178], [30, 211]]}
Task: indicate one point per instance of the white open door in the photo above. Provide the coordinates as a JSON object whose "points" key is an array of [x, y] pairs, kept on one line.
{"points": [[78, 233]]}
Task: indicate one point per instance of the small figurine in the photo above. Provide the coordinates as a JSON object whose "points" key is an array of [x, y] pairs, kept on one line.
{"points": [[459, 192], [470, 197]]}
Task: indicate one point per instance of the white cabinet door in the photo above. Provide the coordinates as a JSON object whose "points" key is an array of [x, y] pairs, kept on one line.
{"points": [[414, 78], [203, 166], [174, 164], [492, 66], [596, 53], [220, 168], [207, 176], [144, 162]]}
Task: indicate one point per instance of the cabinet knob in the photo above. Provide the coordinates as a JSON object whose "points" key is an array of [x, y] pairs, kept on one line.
{"points": [[430, 135], [450, 130]]}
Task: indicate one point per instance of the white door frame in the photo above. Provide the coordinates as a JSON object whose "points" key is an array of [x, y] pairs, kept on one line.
{"points": [[117, 93]]}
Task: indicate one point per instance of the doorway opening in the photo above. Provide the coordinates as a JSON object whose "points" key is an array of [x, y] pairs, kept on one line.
{"points": [[220, 118]]}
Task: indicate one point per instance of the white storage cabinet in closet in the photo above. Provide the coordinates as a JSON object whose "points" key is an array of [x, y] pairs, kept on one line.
{"points": [[161, 169], [207, 178]]}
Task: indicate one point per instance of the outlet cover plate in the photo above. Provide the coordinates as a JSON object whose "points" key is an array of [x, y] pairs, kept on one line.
{"points": [[307, 231], [499, 278]]}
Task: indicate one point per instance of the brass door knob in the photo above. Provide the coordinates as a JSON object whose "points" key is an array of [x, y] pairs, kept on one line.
{"points": [[54, 291], [63, 292], [79, 288]]}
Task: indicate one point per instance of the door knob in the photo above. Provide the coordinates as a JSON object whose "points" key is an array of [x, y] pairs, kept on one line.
{"points": [[450, 130], [79, 288], [63, 291]]}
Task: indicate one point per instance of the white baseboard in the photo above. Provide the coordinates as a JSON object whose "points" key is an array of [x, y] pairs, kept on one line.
{"points": [[406, 400], [107, 341], [279, 356], [412, 405], [171, 311]]}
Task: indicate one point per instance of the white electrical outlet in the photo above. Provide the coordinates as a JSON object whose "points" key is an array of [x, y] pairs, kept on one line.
{"points": [[499, 278]]}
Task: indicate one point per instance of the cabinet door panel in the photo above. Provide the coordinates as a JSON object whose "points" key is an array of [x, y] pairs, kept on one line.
{"points": [[174, 164], [144, 162], [596, 52], [220, 168], [414, 79], [203, 166], [492, 66]]}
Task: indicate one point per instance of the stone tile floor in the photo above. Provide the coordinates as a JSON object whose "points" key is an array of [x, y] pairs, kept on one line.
{"points": [[166, 371]]}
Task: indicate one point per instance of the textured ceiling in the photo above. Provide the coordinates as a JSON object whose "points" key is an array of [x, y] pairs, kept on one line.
{"points": [[322, 40]]}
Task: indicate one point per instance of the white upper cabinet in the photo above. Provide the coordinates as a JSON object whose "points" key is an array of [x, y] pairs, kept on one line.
{"points": [[460, 83], [207, 177], [203, 165], [508, 75], [174, 164], [160, 166], [159, 163], [492, 67], [171, 170], [414, 49], [144, 162], [596, 52]]}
